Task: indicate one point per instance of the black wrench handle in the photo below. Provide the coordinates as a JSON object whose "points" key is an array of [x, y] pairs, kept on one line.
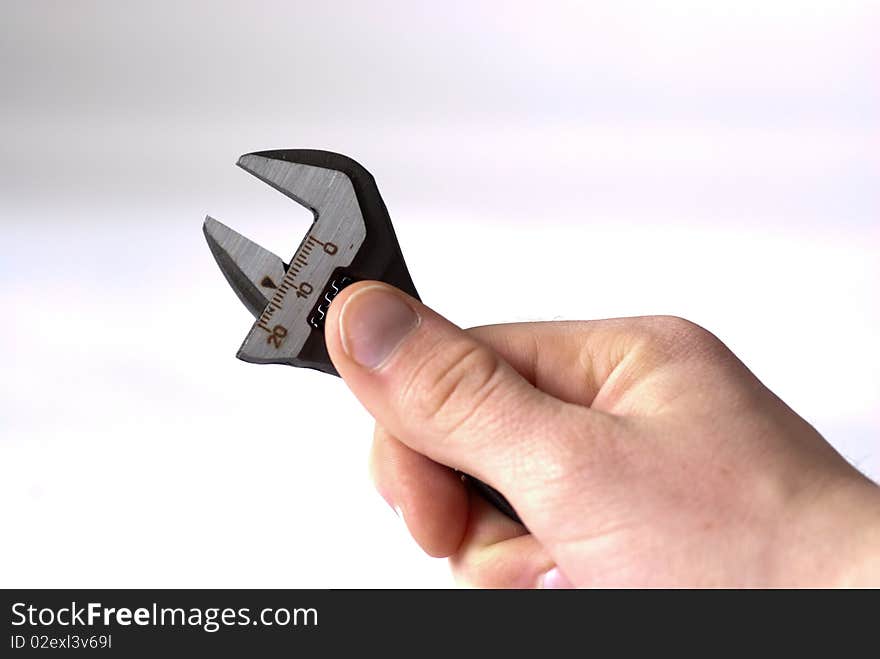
{"points": [[493, 496]]}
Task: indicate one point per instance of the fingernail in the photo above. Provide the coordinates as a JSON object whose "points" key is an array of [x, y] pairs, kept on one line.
{"points": [[373, 323], [554, 579]]}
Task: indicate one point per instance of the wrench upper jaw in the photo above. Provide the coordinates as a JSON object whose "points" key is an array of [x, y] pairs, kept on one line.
{"points": [[302, 174]]}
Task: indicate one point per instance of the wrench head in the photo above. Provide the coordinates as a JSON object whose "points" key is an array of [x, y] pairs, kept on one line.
{"points": [[351, 239]]}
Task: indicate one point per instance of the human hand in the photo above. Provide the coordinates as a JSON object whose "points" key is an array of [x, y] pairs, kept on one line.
{"points": [[637, 451]]}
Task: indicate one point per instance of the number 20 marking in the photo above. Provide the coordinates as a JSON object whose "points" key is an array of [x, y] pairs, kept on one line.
{"points": [[276, 338]]}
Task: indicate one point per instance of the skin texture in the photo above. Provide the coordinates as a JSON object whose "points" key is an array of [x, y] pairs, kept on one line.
{"points": [[637, 451]]}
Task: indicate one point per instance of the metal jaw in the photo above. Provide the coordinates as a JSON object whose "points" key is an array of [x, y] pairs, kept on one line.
{"points": [[350, 239]]}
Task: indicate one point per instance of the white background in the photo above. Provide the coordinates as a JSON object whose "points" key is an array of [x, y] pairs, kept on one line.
{"points": [[540, 160]]}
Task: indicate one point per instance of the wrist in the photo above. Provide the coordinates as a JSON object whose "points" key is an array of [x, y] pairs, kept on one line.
{"points": [[835, 540], [864, 568]]}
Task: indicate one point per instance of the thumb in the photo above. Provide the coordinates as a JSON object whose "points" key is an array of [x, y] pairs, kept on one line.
{"points": [[446, 394]]}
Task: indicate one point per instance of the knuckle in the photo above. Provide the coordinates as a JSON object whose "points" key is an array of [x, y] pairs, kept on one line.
{"points": [[451, 384], [676, 326], [673, 335]]}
